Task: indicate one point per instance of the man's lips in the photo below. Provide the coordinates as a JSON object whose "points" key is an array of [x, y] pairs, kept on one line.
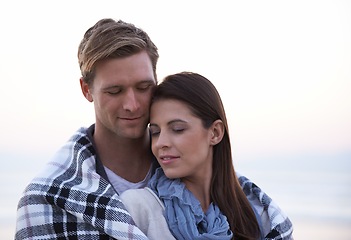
{"points": [[129, 118]]}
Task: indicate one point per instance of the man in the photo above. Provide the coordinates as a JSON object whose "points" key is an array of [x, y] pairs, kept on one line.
{"points": [[77, 195]]}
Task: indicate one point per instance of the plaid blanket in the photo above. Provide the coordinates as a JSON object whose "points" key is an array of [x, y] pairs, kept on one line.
{"points": [[70, 200], [281, 226]]}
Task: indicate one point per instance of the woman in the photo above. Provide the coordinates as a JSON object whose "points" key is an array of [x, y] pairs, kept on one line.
{"points": [[196, 193]]}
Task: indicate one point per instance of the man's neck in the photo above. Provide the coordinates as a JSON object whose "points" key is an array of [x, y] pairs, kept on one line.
{"points": [[128, 158]]}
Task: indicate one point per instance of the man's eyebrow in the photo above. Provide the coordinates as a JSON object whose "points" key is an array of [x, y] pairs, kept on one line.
{"points": [[116, 86], [111, 87], [150, 81], [146, 81]]}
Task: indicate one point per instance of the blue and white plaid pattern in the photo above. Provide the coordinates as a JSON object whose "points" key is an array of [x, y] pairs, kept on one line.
{"points": [[69, 200], [281, 226]]}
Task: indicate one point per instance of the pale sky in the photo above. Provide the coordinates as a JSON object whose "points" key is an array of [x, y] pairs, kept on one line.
{"points": [[281, 67]]}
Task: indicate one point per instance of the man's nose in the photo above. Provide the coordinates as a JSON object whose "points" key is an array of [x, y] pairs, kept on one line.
{"points": [[131, 102]]}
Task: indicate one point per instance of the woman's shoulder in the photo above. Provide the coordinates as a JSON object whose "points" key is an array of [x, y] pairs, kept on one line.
{"points": [[147, 211], [142, 196]]}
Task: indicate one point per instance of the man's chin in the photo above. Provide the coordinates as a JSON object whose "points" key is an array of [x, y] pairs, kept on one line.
{"points": [[134, 134]]}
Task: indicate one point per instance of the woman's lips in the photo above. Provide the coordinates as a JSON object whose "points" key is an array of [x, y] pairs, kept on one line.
{"points": [[167, 159]]}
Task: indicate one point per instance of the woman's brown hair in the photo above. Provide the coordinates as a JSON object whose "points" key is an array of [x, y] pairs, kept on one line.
{"points": [[204, 100]]}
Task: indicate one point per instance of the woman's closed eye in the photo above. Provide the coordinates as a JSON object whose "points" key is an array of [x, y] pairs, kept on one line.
{"points": [[178, 129], [154, 130]]}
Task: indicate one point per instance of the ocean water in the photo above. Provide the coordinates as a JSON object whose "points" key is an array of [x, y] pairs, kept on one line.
{"points": [[313, 190]]}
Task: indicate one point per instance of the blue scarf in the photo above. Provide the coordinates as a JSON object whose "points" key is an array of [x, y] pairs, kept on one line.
{"points": [[184, 214]]}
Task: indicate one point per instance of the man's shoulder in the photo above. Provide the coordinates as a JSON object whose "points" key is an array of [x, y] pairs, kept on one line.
{"points": [[69, 157], [82, 132], [80, 139]]}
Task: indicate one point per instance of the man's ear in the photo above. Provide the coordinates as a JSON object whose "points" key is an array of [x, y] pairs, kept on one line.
{"points": [[217, 129], [85, 90]]}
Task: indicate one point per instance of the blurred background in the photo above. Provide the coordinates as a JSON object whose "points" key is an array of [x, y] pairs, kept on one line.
{"points": [[281, 67]]}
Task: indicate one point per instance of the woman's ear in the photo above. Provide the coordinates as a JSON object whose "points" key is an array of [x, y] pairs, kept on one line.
{"points": [[217, 131], [85, 90]]}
